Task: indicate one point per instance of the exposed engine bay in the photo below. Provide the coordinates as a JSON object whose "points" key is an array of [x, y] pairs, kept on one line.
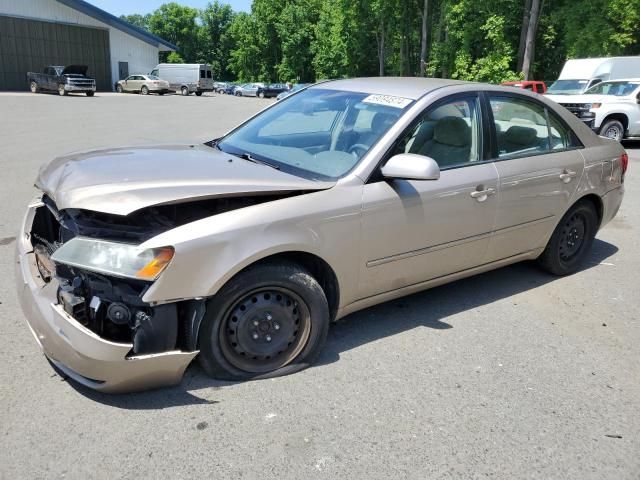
{"points": [[110, 306]]}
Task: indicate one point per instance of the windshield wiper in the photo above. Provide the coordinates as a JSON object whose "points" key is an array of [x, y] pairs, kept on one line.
{"points": [[247, 156]]}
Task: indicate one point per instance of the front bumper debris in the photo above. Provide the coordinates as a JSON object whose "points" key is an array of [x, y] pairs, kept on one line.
{"points": [[77, 351]]}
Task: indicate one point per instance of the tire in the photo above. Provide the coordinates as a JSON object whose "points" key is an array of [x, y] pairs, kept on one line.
{"points": [[184, 91], [33, 86], [238, 94], [198, 94], [571, 240], [144, 90], [269, 319], [89, 94], [119, 89], [161, 93], [612, 129], [61, 91], [261, 94]]}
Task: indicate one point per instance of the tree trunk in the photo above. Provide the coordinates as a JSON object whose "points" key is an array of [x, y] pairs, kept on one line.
{"points": [[531, 39], [381, 50], [423, 46], [523, 33]]}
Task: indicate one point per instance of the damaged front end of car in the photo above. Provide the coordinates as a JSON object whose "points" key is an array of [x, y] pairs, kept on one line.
{"points": [[83, 279]]}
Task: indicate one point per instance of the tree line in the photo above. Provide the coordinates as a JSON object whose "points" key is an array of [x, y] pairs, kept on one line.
{"points": [[482, 40]]}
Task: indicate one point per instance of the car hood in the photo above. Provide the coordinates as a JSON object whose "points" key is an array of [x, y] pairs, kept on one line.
{"points": [[123, 180], [75, 70]]}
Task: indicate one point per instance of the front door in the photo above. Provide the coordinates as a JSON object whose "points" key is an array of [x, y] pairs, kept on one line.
{"points": [[539, 165], [415, 231]]}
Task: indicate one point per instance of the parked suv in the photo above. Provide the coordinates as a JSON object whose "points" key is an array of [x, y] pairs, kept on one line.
{"points": [[612, 108]]}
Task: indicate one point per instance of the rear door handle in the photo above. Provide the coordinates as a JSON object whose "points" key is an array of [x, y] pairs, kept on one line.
{"points": [[481, 193], [567, 175]]}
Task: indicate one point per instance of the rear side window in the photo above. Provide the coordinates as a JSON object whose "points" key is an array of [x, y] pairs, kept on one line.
{"points": [[209, 74], [521, 127], [526, 128]]}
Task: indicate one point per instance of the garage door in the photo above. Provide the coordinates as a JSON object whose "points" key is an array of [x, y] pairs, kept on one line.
{"points": [[29, 45]]}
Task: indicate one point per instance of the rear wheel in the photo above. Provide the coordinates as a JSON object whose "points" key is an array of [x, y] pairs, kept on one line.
{"points": [[261, 94], [198, 94], [61, 91], [612, 129], [144, 90], [268, 317], [571, 240], [33, 86], [89, 94], [238, 94], [184, 91]]}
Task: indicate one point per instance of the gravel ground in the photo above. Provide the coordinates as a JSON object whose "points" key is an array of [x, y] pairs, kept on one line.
{"points": [[510, 374]]}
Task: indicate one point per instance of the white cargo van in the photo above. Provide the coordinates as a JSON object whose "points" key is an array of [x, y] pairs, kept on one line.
{"points": [[579, 74], [186, 78]]}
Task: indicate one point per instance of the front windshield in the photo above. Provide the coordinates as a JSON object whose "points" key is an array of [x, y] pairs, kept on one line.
{"points": [[568, 87], [318, 134], [619, 89]]}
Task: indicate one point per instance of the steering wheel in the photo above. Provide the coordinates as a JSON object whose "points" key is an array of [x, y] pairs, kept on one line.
{"points": [[358, 149]]}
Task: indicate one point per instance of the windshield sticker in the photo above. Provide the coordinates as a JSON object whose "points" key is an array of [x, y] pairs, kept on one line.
{"points": [[388, 100]]}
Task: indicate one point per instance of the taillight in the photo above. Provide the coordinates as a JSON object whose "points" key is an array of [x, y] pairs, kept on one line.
{"points": [[624, 161]]}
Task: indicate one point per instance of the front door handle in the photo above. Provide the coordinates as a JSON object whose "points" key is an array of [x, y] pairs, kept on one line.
{"points": [[481, 193], [567, 175]]}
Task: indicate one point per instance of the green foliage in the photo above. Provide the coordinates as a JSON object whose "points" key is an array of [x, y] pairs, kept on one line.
{"points": [[174, 57], [140, 21], [302, 40]]}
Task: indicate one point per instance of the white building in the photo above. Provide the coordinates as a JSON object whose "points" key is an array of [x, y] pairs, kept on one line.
{"points": [[36, 33]]}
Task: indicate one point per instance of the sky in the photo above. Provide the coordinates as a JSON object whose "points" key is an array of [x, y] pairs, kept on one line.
{"points": [[127, 7]]}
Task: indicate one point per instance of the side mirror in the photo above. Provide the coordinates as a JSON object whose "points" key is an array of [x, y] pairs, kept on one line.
{"points": [[409, 166]]}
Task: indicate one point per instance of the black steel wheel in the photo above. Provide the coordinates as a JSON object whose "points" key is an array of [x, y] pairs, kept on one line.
{"points": [[269, 318], [571, 240]]}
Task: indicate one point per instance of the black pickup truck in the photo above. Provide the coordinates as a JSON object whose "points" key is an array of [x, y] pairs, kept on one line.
{"points": [[63, 80]]}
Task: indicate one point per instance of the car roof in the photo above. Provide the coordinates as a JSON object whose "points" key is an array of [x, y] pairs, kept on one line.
{"points": [[407, 87]]}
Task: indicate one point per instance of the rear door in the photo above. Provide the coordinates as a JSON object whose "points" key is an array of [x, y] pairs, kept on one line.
{"points": [[539, 165]]}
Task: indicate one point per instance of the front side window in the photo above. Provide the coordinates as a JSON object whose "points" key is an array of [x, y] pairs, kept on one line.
{"points": [[448, 133], [202, 74], [318, 133]]}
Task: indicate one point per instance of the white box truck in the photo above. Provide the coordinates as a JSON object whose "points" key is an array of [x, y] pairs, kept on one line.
{"points": [[186, 78], [580, 74]]}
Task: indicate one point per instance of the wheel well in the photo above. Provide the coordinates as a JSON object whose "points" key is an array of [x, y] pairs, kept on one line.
{"points": [[596, 201], [620, 117], [319, 269]]}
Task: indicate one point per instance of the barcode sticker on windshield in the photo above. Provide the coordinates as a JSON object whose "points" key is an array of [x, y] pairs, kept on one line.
{"points": [[388, 100]]}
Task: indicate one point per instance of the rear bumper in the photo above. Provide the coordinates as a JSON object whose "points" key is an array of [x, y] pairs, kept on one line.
{"points": [[80, 353], [611, 202]]}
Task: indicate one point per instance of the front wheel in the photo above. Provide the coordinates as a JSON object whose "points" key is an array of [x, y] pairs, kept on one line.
{"points": [[612, 129], [268, 317], [33, 86], [184, 91], [61, 91], [89, 94], [571, 240], [119, 88]]}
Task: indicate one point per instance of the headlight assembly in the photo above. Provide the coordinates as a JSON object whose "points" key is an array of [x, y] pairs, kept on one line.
{"points": [[118, 259]]}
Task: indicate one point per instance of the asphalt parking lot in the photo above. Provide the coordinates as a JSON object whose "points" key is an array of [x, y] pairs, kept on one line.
{"points": [[511, 374]]}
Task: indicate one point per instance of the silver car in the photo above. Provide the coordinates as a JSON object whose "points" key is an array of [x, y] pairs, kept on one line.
{"points": [[247, 89], [144, 84], [242, 251]]}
